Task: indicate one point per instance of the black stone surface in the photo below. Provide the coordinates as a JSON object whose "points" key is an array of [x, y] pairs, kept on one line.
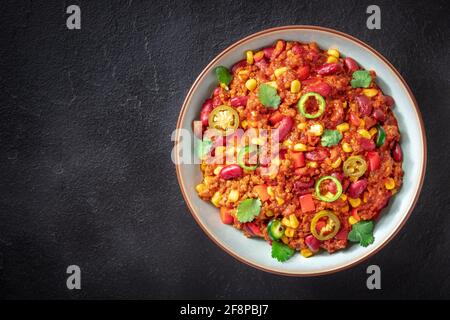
{"points": [[85, 170]]}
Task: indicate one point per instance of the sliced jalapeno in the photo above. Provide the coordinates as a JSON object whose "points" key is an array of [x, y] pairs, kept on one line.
{"points": [[381, 136], [223, 118], [302, 105], [328, 229], [354, 166], [328, 198], [275, 229], [241, 157]]}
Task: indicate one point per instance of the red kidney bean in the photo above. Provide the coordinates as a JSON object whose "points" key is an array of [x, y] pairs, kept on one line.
{"points": [[329, 68], [239, 101], [207, 107], [357, 188], [338, 175], [397, 153], [231, 171], [317, 155], [299, 185], [252, 228], [322, 88], [216, 101], [379, 115], [284, 127], [297, 49], [238, 64], [313, 243], [282, 154], [313, 56], [303, 72], [351, 64], [388, 100], [268, 52], [217, 91], [366, 144], [364, 105]]}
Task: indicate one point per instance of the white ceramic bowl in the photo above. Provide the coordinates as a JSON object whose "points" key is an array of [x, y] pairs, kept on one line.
{"points": [[256, 252]]}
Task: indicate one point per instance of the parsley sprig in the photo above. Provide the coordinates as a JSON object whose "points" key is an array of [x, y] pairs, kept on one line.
{"points": [[361, 79], [248, 209], [362, 232], [268, 96], [281, 252]]}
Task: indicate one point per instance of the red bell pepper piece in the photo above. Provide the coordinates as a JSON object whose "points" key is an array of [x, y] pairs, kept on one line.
{"points": [[307, 203], [374, 160], [261, 190], [225, 215], [298, 159]]}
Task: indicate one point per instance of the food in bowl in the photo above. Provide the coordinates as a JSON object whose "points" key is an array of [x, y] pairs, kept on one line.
{"points": [[323, 156]]}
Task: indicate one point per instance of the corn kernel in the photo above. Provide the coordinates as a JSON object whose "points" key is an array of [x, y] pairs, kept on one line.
{"points": [[346, 208], [312, 164], [301, 126], [278, 72], [294, 221], [258, 141], [259, 55], [295, 86], [249, 56], [300, 147], [333, 52], [346, 147], [306, 253], [217, 170], [389, 184], [216, 198], [355, 203], [280, 201], [244, 124], [373, 131], [234, 195], [270, 191], [288, 143], [269, 213], [316, 129], [285, 239], [272, 84], [208, 180], [336, 163], [220, 150], [370, 92], [364, 133], [250, 84], [289, 232], [344, 197], [243, 74], [343, 127], [285, 221], [344, 104], [352, 220], [331, 59], [200, 188]]}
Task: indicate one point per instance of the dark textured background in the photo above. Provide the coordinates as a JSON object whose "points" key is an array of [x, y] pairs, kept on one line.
{"points": [[86, 177]]}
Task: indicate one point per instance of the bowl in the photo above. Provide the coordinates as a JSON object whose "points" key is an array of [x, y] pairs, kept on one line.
{"points": [[256, 252]]}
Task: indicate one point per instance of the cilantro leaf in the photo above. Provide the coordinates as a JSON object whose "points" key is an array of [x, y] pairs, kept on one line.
{"points": [[361, 79], [248, 209], [202, 147], [330, 138], [223, 75], [281, 252], [362, 232], [268, 96]]}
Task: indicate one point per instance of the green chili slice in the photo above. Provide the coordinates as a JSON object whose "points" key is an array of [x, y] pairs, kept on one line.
{"points": [[381, 136], [241, 157], [275, 229], [333, 225], [327, 198], [320, 101]]}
